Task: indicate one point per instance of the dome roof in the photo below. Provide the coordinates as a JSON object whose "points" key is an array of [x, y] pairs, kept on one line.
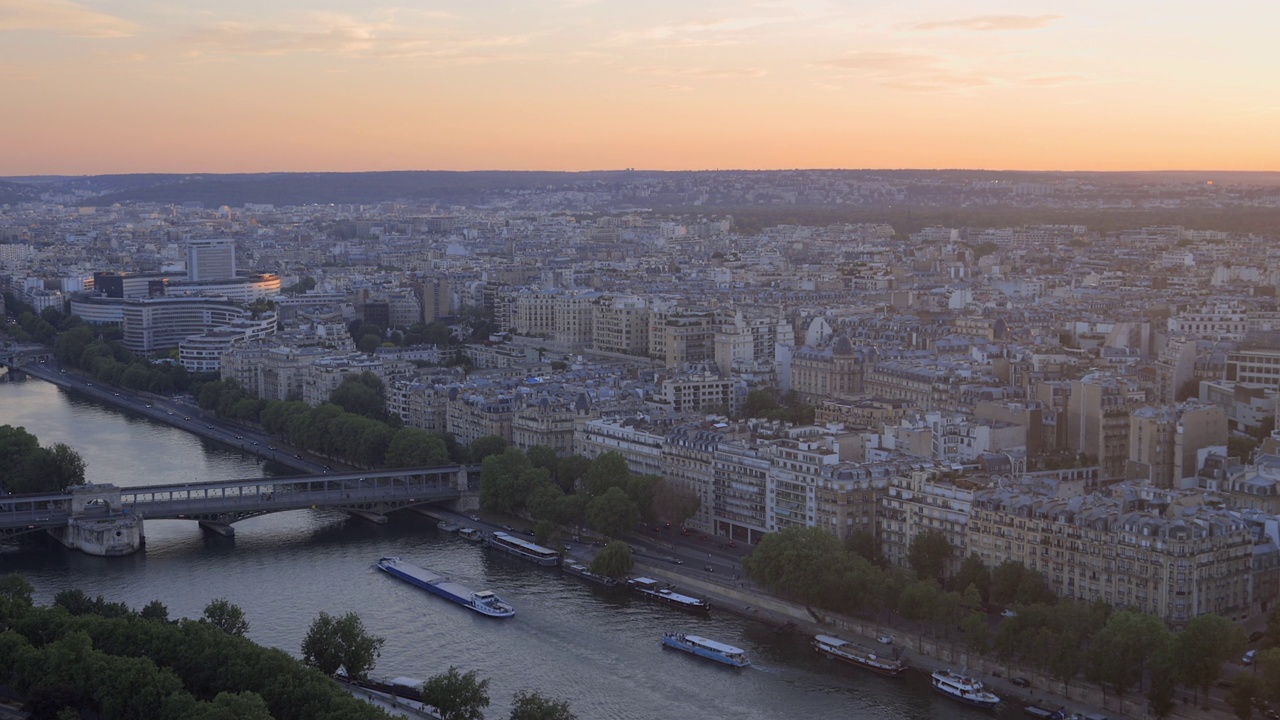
{"points": [[842, 346]]}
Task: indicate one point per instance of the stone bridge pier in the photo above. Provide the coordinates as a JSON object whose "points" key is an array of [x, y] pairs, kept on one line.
{"points": [[98, 524]]}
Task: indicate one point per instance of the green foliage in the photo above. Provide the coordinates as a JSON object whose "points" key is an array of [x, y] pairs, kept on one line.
{"points": [[614, 560], [411, 447], [973, 572], [362, 394], [544, 531], [1011, 583], [863, 543], [1118, 653], [1268, 662], [226, 617], [928, 554], [1161, 696], [155, 610], [1202, 647], [533, 706], [612, 513], [673, 503], [544, 457], [506, 481], [607, 470], [544, 502], [570, 470], [766, 403], [456, 695], [1242, 695], [812, 565], [486, 446], [25, 467], [332, 643]]}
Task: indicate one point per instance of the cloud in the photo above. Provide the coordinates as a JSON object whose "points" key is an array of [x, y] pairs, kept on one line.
{"points": [[339, 35], [698, 72], [905, 71], [64, 17], [713, 32], [988, 23]]}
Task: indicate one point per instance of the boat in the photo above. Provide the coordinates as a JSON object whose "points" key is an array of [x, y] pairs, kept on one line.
{"points": [[963, 688], [472, 534], [521, 548], [710, 649], [447, 526], [654, 590], [1039, 712], [857, 655], [484, 602], [582, 571]]}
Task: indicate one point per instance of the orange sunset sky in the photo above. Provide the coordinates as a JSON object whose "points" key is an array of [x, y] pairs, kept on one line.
{"points": [[235, 86]]}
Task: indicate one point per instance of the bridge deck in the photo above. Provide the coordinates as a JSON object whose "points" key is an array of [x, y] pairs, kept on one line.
{"points": [[231, 500]]}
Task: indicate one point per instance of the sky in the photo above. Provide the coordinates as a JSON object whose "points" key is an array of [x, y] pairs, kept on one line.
{"points": [[122, 86]]}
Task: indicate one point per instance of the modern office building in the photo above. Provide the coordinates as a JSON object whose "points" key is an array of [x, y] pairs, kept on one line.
{"points": [[211, 260]]}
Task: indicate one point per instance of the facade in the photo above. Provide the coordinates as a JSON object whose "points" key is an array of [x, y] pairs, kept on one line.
{"points": [[688, 460], [211, 260], [621, 325], [926, 498], [740, 477], [1098, 421], [473, 416], [638, 443], [162, 323], [1124, 552], [203, 353], [835, 370]]}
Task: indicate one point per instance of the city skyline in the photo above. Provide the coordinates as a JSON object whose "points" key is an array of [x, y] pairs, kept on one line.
{"points": [[579, 85]]}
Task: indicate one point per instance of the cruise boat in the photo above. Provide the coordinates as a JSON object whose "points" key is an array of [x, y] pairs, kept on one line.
{"points": [[710, 649], [472, 534], [582, 571], [447, 526], [484, 602], [654, 590], [521, 548], [963, 688], [857, 655]]}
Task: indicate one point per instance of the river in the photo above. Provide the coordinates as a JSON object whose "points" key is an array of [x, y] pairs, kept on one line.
{"points": [[569, 640]]}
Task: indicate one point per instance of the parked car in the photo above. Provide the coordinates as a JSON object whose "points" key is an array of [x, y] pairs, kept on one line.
{"points": [[884, 640], [1248, 657], [1009, 613], [1020, 682]]}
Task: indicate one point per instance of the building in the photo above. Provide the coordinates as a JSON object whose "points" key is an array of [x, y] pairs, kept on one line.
{"points": [[833, 370], [203, 353], [211, 260], [688, 462], [926, 498], [1098, 413], [621, 325]]}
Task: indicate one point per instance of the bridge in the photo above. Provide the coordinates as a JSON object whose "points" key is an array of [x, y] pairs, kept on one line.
{"points": [[107, 520]]}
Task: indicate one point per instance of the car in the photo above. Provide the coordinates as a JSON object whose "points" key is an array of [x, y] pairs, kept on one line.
{"points": [[208, 427], [1270, 714], [675, 561], [884, 640], [116, 394], [169, 413], [64, 372], [1248, 657], [728, 545], [1009, 613], [239, 437], [1020, 682], [686, 532], [186, 417], [296, 455], [271, 447], [1256, 636], [88, 384], [148, 404], [508, 528], [255, 442], [474, 518], [708, 568]]}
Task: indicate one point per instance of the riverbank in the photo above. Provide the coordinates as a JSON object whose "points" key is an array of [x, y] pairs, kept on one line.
{"points": [[923, 652]]}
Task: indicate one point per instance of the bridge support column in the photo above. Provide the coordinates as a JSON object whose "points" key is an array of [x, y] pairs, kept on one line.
{"points": [[218, 528], [104, 537]]}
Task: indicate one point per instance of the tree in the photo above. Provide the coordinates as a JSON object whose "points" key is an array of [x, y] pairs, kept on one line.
{"points": [[863, 543], [544, 457], [1164, 685], [333, 643], [533, 706], [486, 446], [544, 531], [456, 695], [1242, 695], [362, 394], [411, 447], [1120, 651], [226, 617], [612, 513], [155, 610], [673, 503], [614, 560], [1203, 646], [543, 501], [1269, 662], [607, 470], [506, 479], [973, 572], [928, 554], [570, 470]]}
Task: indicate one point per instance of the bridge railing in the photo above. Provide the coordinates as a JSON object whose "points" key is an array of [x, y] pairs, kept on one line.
{"points": [[284, 498]]}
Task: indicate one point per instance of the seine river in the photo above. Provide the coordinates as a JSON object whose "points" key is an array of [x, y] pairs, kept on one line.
{"points": [[599, 651]]}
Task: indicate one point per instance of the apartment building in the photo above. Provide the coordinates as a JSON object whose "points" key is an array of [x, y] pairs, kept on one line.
{"points": [[620, 324], [927, 497]]}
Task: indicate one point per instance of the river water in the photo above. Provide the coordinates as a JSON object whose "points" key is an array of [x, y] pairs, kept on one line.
{"points": [[598, 650]]}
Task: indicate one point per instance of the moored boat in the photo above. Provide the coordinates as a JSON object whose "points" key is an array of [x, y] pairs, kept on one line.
{"points": [[704, 647], [582, 571], [654, 590], [1038, 712], [484, 602], [472, 534], [447, 526], [523, 549], [963, 688], [857, 655]]}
